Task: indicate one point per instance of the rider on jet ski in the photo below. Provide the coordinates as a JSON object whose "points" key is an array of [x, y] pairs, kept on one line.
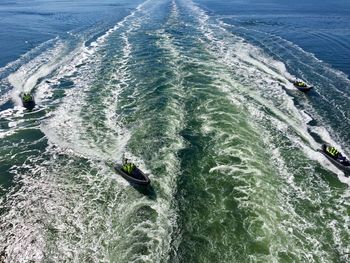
{"points": [[299, 84], [128, 167], [335, 154], [27, 97]]}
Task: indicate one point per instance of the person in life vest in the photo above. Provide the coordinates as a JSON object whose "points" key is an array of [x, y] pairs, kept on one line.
{"points": [[335, 154], [332, 151], [27, 97], [128, 167], [300, 84]]}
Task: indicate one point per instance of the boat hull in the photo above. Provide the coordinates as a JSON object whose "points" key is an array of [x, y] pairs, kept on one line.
{"points": [[303, 89], [335, 162], [29, 105], [137, 177]]}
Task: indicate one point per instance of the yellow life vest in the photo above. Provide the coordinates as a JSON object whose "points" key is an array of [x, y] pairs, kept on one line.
{"points": [[332, 151], [129, 167]]}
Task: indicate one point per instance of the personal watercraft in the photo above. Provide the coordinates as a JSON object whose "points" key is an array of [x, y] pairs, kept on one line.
{"points": [[340, 161], [28, 101], [301, 86], [136, 176]]}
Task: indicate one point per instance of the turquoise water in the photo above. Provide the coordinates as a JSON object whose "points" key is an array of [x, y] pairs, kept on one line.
{"points": [[198, 95]]}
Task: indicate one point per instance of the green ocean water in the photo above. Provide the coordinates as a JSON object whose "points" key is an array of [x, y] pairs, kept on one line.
{"points": [[205, 107]]}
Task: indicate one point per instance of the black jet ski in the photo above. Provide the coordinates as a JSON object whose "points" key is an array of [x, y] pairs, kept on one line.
{"points": [[136, 176], [341, 164], [301, 86], [28, 101]]}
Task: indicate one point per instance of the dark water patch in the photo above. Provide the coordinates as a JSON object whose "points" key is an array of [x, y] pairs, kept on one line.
{"points": [[50, 19], [65, 84], [6, 178], [326, 37], [7, 105], [16, 151], [148, 191]]}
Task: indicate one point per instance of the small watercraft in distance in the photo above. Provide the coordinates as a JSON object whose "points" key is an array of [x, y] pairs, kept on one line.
{"points": [[300, 85]]}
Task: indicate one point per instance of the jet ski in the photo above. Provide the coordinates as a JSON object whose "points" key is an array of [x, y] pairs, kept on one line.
{"points": [[340, 161], [301, 86], [136, 176], [28, 101]]}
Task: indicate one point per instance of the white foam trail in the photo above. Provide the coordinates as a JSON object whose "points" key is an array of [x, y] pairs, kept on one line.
{"points": [[299, 55], [66, 133], [241, 56], [25, 58], [276, 117], [66, 119], [26, 77]]}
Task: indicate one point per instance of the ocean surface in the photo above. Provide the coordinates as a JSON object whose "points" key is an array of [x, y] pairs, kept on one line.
{"points": [[198, 94]]}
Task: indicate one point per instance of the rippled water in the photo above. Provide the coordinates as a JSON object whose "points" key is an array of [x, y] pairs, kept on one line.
{"points": [[198, 95]]}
